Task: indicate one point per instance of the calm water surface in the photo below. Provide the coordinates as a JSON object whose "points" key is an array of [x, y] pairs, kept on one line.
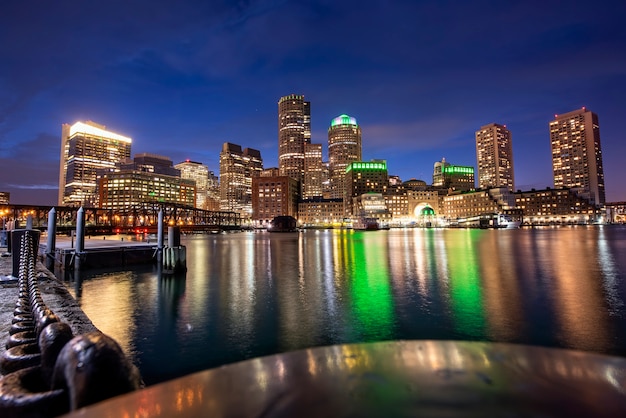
{"points": [[254, 293]]}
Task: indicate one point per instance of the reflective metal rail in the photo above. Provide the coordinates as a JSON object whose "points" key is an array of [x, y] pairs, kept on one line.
{"points": [[388, 379]]}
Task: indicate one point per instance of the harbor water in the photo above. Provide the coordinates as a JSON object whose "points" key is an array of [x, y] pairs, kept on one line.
{"points": [[251, 294]]}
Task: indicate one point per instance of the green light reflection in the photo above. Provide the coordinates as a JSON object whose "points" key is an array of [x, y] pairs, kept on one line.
{"points": [[466, 297]]}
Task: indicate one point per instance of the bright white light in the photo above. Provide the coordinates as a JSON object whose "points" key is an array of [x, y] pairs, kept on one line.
{"points": [[83, 128]]}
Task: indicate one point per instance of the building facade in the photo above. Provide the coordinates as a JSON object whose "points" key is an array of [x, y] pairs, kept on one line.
{"points": [[294, 131], [362, 178], [453, 177], [494, 156], [577, 154], [237, 168], [313, 171], [273, 196], [344, 147], [321, 213], [127, 190], [555, 206], [87, 147], [199, 173]]}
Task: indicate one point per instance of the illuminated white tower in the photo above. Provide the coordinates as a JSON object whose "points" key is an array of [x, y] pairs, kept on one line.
{"points": [[87, 147]]}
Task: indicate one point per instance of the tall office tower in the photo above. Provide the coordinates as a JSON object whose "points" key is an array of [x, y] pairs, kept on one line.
{"points": [[494, 155], [577, 154], [313, 171], [453, 177], [199, 173], [344, 147], [294, 131], [213, 192], [87, 147], [237, 168]]}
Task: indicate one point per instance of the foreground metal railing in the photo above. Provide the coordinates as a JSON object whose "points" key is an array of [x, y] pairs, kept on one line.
{"points": [[47, 371]]}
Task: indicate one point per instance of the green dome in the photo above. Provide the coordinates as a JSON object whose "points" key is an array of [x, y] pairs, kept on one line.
{"points": [[343, 120]]}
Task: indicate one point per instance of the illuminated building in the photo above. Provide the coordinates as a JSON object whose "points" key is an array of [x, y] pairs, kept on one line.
{"points": [[577, 154], [555, 206], [294, 131], [274, 196], [4, 198], [148, 179], [494, 155], [470, 208], [362, 178], [453, 177], [237, 168], [199, 173], [86, 148], [413, 203], [321, 212], [313, 171], [344, 147], [616, 212], [213, 192]]}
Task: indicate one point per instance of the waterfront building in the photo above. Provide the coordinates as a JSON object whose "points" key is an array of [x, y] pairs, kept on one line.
{"points": [[132, 187], [616, 212], [199, 173], [371, 205], [473, 207], [274, 196], [413, 203], [364, 177], [577, 154], [237, 169], [344, 147], [494, 155], [556, 206], [86, 148], [453, 177], [313, 171], [321, 212], [294, 131]]}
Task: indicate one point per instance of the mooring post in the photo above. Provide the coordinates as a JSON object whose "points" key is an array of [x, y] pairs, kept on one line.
{"points": [[52, 232], [160, 237], [80, 236], [29, 222], [51, 242]]}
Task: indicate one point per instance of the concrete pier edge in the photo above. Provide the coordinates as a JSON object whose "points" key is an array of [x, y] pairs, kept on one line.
{"points": [[54, 293]]}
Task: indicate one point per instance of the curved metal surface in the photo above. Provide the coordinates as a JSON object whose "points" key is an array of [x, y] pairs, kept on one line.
{"points": [[398, 378]]}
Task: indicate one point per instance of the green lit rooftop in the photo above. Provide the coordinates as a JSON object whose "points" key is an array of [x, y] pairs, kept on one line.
{"points": [[343, 120]]}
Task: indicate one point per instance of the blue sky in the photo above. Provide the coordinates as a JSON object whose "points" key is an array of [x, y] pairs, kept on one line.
{"points": [[181, 78]]}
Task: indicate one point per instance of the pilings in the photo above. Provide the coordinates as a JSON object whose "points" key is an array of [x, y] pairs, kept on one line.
{"points": [[174, 254]]}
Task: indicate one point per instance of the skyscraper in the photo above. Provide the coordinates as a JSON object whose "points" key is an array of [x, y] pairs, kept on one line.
{"points": [[199, 173], [313, 171], [494, 155], [237, 168], [294, 131], [577, 154], [344, 147], [86, 148]]}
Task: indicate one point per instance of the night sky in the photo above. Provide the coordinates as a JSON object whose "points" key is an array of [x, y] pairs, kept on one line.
{"points": [[183, 77]]}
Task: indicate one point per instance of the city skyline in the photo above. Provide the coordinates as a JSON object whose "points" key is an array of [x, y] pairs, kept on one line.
{"points": [[419, 77]]}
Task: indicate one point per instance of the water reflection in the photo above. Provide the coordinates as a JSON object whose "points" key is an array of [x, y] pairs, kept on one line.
{"points": [[252, 294]]}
